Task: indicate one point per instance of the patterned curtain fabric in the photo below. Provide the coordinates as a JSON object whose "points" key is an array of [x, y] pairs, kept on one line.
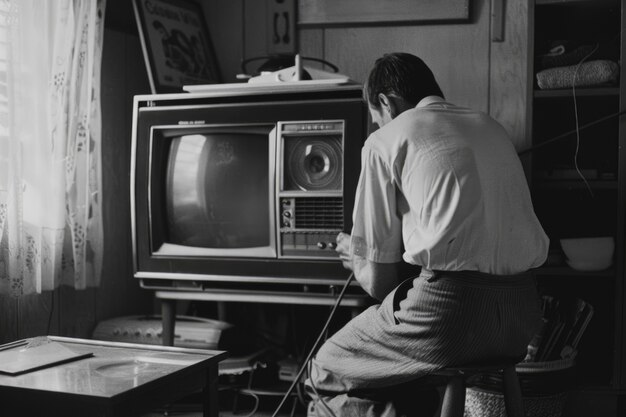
{"points": [[50, 136]]}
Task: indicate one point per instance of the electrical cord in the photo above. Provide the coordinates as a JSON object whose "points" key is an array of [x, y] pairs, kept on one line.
{"points": [[578, 128], [315, 345], [576, 118], [255, 408], [314, 388], [282, 61], [564, 135]]}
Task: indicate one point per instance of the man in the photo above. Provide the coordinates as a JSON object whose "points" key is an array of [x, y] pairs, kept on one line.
{"points": [[441, 187]]}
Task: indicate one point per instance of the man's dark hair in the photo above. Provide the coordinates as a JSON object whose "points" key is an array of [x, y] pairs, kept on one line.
{"points": [[403, 75]]}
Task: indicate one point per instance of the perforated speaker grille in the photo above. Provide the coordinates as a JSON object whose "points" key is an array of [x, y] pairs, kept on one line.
{"points": [[319, 213]]}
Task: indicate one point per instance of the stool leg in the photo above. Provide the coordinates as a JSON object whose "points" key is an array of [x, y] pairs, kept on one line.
{"points": [[512, 393], [453, 404]]}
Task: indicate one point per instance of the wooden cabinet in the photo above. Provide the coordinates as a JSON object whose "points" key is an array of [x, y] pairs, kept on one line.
{"points": [[572, 140]]}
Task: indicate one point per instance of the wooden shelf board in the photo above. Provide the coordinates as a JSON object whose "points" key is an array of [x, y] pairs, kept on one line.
{"points": [[566, 2], [565, 271], [575, 184], [580, 91]]}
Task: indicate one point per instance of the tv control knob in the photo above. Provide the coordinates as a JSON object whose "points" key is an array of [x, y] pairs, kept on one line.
{"points": [[286, 223], [332, 245], [287, 213], [321, 245]]}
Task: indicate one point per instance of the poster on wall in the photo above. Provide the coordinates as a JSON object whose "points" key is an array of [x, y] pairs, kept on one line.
{"points": [[176, 44]]}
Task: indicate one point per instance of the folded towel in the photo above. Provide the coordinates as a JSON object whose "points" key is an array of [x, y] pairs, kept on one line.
{"points": [[592, 73]]}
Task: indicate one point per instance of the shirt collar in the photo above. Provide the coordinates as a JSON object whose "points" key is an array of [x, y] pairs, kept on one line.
{"points": [[428, 100]]}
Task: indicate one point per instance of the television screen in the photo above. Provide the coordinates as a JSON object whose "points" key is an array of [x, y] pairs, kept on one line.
{"points": [[217, 188]]}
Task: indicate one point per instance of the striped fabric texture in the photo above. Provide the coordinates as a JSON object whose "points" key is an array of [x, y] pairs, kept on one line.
{"points": [[427, 323]]}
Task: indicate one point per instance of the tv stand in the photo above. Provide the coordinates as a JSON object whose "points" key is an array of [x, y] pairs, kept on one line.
{"points": [[169, 298]]}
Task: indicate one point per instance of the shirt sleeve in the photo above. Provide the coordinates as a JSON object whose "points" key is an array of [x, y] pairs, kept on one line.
{"points": [[377, 226]]}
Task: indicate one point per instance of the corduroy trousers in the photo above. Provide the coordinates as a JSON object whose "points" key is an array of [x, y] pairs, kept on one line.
{"points": [[433, 321]]}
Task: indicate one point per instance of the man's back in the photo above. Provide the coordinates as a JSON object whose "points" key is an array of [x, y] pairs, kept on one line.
{"points": [[464, 199]]}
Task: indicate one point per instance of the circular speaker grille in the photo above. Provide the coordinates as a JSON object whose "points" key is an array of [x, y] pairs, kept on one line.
{"points": [[314, 164]]}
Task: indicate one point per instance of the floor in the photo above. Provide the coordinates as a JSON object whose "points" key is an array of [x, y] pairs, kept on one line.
{"points": [[266, 406], [242, 413], [246, 407], [222, 414]]}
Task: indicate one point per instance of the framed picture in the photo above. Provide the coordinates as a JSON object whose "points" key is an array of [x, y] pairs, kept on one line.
{"points": [[355, 12], [176, 44]]}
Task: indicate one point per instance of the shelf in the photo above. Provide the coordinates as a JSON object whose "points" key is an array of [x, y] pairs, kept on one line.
{"points": [[565, 271], [566, 204], [572, 2], [576, 184], [580, 92]]}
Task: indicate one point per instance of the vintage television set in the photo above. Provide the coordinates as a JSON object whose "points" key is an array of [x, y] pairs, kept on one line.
{"points": [[244, 189]]}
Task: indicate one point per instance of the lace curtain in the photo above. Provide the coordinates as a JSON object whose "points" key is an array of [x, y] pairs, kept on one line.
{"points": [[50, 135]]}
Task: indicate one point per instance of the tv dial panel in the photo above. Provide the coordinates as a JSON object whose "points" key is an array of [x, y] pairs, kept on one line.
{"points": [[310, 193]]}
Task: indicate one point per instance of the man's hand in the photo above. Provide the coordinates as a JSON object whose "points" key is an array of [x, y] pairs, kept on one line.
{"points": [[343, 249], [377, 279]]}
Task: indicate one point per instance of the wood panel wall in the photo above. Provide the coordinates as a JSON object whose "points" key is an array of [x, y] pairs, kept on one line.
{"points": [[472, 70], [65, 311], [458, 53], [510, 85], [123, 76]]}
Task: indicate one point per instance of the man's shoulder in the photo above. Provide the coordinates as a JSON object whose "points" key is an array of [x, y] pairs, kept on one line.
{"points": [[448, 113]]}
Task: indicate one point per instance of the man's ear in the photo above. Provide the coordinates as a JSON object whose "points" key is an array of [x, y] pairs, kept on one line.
{"points": [[387, 104]]}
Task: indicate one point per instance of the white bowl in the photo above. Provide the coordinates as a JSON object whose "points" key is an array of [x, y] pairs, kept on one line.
{"points": [[589, 253]]}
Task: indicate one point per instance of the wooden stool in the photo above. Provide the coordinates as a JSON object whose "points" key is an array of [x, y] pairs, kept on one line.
{"points": [[453, 403]]}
